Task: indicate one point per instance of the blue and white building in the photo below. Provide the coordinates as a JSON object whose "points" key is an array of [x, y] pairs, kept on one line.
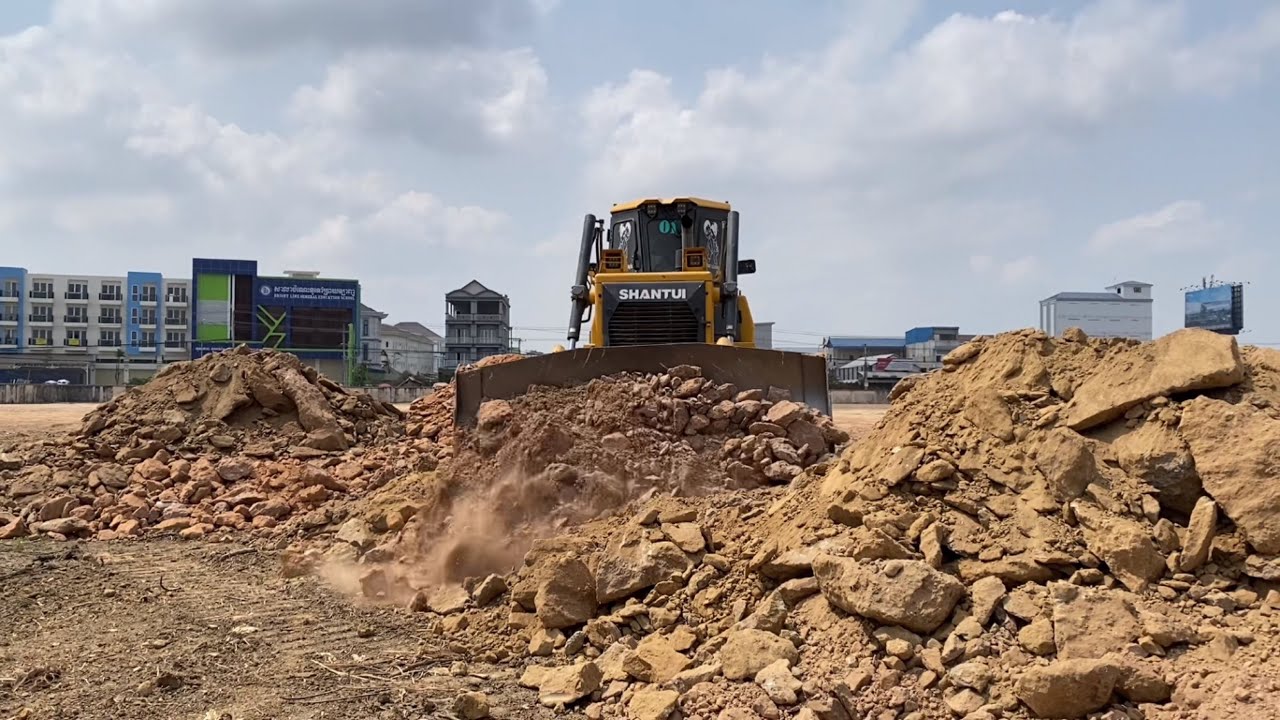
{"points": [[142, 316]]}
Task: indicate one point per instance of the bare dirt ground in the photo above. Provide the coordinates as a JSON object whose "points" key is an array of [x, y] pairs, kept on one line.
{"points": [[197, 630], [28, 422], [165, 629]]}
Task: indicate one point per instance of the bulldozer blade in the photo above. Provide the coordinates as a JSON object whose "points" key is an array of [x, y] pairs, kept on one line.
{"points": [[804, 376]]}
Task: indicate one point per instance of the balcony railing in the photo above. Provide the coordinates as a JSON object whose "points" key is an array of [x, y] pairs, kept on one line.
{"points": [[9, 318], [75, 343], [175, 299], [7, 293], [111, 297], [77, 319], [109, 319], [75, 295], [40, 318], [40, 294], [39, 342]]}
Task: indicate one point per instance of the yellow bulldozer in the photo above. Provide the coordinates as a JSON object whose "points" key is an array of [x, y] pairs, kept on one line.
{"points": [[656, 288]]}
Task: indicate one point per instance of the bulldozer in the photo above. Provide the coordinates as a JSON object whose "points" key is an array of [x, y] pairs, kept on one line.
{"points": [[655, 287]]}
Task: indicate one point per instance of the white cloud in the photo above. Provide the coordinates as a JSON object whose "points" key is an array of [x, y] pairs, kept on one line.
{"points": [[1008, 272], [967, 97], [1179, 226], [103, 161], [462, 100], [255, 27]]}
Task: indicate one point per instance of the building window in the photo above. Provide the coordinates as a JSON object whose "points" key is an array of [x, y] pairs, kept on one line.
{"points": [[42, 289], [147, 338], [109, 315], [110, 291], [175, 340], [9, 289], [76, 314], [109, 338], [8, 336], [1137, 291], [75, 338], [41, 336], [147, 316], [175, 294], [175, 316], [42, 314], [143, 293], [77, 290], [364, 327]]}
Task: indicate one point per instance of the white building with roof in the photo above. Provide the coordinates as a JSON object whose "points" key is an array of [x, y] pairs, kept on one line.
{"points": [[1123, 311], [412, 348]]}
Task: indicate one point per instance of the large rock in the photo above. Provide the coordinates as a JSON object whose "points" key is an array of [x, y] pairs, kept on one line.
{"points": [[746, 652], [567, 685], [1182, 361], [1124, 545], [908, 593], [1066, 462], [652, 704], [1237, 454], [1154, 452], [314, 412], [986, 409], [655, 661], [1068, 688], [566, 593], [1199, 540], [627, 569], [1089, 622]]}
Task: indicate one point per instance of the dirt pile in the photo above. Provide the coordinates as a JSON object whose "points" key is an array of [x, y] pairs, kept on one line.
{"points": [[1044, 528], [557, 457], [234, 439]]}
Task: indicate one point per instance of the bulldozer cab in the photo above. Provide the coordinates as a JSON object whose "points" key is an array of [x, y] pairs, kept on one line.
{"points": [[653, 233]]}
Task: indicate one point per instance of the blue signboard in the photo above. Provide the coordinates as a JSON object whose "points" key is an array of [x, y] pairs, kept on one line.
{"points": [[305, 292]]}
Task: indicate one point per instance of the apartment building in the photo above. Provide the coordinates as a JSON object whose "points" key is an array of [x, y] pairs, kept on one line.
{"points": [[140, 317], [477, 324]]}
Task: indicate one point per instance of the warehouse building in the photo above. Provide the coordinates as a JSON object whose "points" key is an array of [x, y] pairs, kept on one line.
{"points": [[1123, 311]]}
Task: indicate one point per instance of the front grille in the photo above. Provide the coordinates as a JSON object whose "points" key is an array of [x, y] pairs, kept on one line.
{"points": [[653, 323]]}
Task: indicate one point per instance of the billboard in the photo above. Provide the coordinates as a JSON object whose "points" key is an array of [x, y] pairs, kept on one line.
{"points": [[1219, 308], [305, 314]]}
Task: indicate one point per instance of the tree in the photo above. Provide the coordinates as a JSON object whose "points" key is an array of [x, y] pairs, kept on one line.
{"points": [[360, 376]]}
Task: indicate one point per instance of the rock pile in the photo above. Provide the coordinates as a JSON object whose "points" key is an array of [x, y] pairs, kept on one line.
{"points": [[234, 439], [557, 457], [1044, 528]]}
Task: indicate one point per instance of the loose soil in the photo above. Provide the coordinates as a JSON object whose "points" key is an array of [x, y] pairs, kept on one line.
{"points": [[163, 629]]}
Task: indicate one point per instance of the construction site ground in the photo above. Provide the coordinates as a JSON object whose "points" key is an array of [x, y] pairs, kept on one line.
{"points": [[165, 629]]}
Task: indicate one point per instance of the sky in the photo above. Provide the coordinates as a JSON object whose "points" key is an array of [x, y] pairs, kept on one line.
{"points": [[895, 163]]}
